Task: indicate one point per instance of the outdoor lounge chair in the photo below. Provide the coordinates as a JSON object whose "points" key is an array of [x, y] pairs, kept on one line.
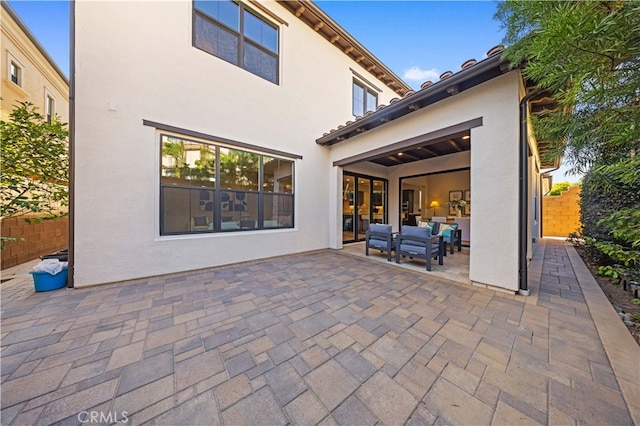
{"points": [[380, 237], [415, 241], [452, 236]]}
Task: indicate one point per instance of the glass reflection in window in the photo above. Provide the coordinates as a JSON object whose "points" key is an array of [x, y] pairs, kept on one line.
{"points": [[186, 162]]}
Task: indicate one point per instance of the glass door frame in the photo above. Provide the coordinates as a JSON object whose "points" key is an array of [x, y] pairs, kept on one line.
{"points": [[351, 197]]}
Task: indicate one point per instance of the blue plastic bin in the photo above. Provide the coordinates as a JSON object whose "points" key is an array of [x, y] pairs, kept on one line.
{"points": [[44, 281]]}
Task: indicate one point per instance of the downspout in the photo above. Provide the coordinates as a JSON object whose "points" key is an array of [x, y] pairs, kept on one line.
{"points": [[72, 134], [523, 192]]}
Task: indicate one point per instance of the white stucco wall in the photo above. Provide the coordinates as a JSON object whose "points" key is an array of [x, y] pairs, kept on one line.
{"points": [[494, 169], [135, 61]]}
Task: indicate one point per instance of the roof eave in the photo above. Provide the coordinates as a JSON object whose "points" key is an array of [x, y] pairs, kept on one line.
{"points": [[410, 103], [324, 25]]}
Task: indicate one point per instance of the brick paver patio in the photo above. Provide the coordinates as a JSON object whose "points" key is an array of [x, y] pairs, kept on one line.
{"points": [[319, 338]]}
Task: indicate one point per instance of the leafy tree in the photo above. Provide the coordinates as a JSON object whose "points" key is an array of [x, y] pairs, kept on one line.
{"points": [[34, 168], [588, 54]]}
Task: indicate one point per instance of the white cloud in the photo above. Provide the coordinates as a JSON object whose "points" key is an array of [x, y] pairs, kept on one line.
{"points": [[416, 74]]}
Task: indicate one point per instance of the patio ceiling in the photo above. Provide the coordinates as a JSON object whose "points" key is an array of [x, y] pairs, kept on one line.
{"points": [[430, 149]]}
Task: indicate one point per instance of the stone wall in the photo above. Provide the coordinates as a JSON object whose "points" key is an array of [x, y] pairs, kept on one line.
{"points": [[561, 213], [46, 237]]}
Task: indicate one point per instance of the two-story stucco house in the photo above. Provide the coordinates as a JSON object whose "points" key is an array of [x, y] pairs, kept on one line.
{"points": [[205, 134]]}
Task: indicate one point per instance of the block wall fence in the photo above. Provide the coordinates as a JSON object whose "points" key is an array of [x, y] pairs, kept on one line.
{"points": [[561, 213], [45, 237]]}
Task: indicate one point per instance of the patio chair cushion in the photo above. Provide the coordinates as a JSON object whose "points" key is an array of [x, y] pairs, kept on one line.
{"points": [[410, 247], [424, 224], [378, 244], [414, 231], [447, 232], [381, 228], [443, 227]]}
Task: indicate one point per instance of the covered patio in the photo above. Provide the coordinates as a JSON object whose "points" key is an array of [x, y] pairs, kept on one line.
{"points": [[455, 268]]}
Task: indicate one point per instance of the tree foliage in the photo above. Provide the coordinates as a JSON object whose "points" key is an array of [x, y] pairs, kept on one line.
{"points": [[34, 168], [557, 188], [588, 54]]}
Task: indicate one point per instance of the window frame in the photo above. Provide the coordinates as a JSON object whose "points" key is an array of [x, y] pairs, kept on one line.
{"points": [[49, 106], [218, 188], [241, 37], [12, 62], [366, 91]]}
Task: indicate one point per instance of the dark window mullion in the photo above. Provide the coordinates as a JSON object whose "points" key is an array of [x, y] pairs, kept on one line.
{"points": [[257, 46], [217, 197], [241, 36], [260, 193]]}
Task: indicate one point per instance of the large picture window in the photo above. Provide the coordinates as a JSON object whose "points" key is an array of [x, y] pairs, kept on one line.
{"points": [[208, 188], [232, 32]]}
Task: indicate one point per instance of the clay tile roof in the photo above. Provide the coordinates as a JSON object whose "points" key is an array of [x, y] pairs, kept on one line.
{"points": [[424, 96], [332, 131], [468, 63], [348, 122], [495, 49], [341, 126]]}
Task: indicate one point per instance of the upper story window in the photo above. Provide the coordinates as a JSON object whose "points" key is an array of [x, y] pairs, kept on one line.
{"points": [[364, 99], [50, 107], [15, 73], [232, 32]]}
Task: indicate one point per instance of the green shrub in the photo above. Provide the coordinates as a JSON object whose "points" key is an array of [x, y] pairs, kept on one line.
{"points": [[557, 188]]}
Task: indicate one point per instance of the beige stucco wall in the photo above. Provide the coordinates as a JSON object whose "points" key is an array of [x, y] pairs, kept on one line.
{"points": [[494, 169], [39, 77], [135, 61]]}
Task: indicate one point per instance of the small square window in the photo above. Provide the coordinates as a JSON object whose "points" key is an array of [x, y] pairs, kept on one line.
{"points": [[15, 73]]}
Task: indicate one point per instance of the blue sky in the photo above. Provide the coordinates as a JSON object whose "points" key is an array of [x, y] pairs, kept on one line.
{"points": [[417, 40]]}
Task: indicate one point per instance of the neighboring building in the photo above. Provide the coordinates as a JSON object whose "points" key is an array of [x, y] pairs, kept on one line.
{"points": [[28, 72], [198, 146]]}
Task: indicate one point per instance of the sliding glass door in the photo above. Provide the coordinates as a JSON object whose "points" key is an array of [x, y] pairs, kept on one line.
{"points": [[364, 201]]}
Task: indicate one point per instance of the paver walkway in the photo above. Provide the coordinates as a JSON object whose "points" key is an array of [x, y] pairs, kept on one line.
{"points": [[318, 338]]}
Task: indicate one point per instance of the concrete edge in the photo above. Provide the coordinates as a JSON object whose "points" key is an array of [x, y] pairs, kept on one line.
{"points": [[619, 345], [534, 273]]}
